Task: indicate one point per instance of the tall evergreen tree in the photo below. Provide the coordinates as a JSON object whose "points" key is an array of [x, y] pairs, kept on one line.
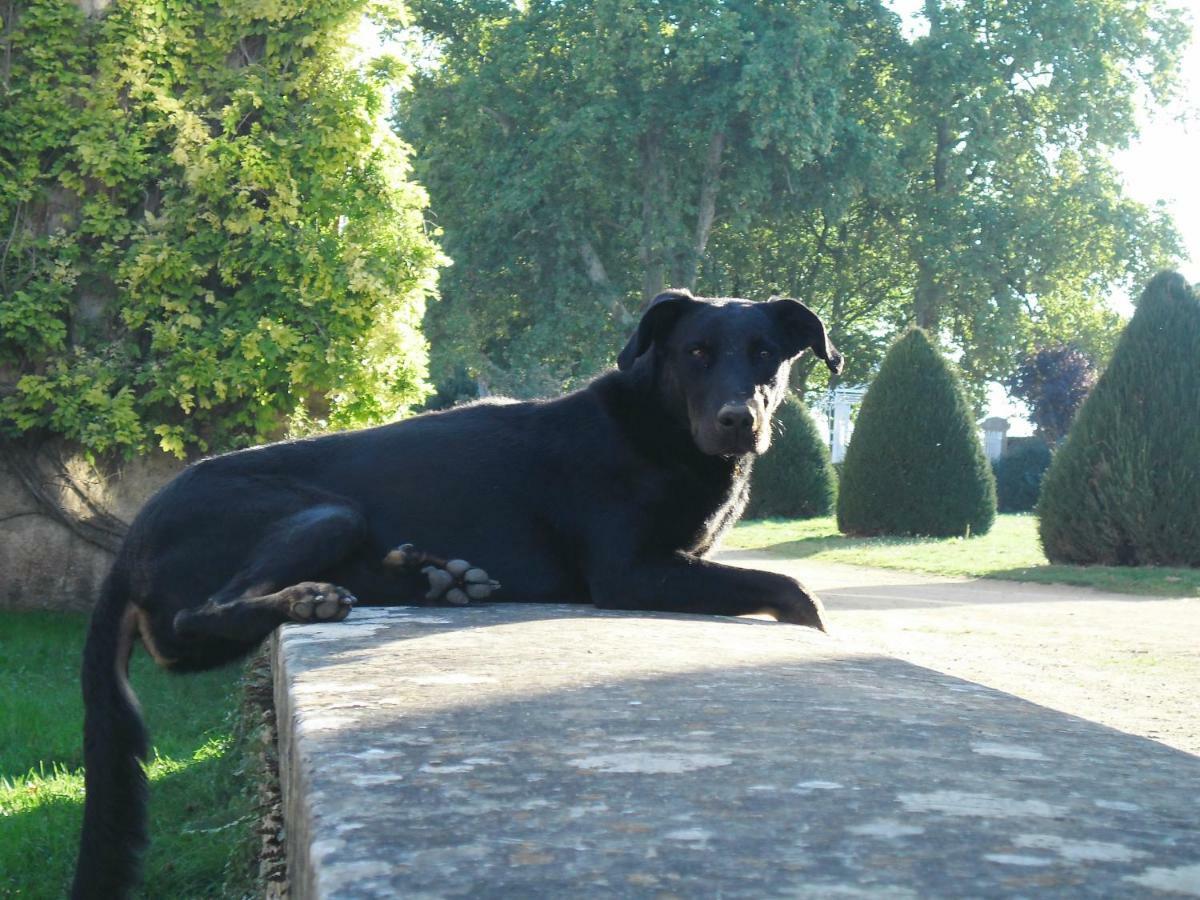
{"points": [[1125, 487], [794, 479], [915, 464]]}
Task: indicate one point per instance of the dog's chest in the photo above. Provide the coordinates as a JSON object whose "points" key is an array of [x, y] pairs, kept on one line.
{"points": [[697, 507]]}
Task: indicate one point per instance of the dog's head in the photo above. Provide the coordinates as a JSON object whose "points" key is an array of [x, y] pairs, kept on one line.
{"points": [[722, 365]]}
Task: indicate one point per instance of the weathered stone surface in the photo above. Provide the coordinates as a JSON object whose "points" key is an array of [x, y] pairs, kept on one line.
{"points": [[519, 751]]}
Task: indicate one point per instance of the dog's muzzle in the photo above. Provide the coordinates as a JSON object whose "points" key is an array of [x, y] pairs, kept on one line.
{"points": [[737, 427]]}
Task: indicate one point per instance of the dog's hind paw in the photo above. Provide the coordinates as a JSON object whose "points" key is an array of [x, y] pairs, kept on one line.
{"points": [[312, 601]]}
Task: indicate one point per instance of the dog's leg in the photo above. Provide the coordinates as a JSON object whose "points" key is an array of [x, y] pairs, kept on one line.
{"points": [[269, 589], [687, 584], [253, 615]]}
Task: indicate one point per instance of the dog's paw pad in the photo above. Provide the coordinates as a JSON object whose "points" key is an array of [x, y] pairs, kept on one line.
{"points": [[458, 567], [440, 581], [334, 608]]}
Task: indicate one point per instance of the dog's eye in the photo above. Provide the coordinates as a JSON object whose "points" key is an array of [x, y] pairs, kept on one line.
{"points": [[765, 354], [700, 353]]}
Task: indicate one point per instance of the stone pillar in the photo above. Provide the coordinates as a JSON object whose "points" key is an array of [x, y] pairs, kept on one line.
{"points": [[995, 436]]}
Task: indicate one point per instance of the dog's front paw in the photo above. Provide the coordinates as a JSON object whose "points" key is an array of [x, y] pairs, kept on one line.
{"points": [[453, 581], [457, 582], [802, 608], [312, 601]]}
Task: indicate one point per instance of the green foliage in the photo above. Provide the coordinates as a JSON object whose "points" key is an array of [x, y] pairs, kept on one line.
{"points": [[915, 464], [579, 153], [794, 479], [1015, 220], [582, 153], [210, 229], [1125, 489], [1019, 474]]}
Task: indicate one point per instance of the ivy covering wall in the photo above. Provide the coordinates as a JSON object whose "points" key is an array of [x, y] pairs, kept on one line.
{"points": [[207, 230]]}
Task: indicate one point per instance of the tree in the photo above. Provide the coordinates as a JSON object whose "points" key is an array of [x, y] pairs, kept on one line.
{"points": [[1053, 382], [1012, 213], [915, 464], [208, 226], [795, 478], [1123, 489], [581, 153]]}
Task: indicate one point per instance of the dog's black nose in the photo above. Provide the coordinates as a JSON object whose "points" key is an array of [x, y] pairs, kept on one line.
{"points": [[736, 417]]}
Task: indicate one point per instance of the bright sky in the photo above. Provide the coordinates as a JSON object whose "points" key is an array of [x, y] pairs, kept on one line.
{"points": [[1163, 164]]}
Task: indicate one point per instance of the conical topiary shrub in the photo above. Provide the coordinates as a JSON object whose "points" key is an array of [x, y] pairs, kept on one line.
{"points": [[1124, 489], [915, 464], [794, 479]]}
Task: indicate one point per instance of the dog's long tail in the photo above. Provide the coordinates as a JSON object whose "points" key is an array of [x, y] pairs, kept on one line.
{"points": [[114, 744]]}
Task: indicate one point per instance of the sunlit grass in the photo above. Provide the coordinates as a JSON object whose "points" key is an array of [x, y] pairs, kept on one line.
{"points": [[1010, 550], [202, 815]]}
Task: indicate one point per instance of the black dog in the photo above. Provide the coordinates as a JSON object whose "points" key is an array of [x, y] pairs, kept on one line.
{"points": [[608, 495]]}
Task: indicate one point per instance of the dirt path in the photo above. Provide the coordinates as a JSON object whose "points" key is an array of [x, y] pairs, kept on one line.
{"points": [[1131, 663]]}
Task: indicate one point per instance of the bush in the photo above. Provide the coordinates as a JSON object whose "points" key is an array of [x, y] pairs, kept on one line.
{"points": [[1125, 487], [1019, 474], [915, 464], [208, 229], [795, 479]]}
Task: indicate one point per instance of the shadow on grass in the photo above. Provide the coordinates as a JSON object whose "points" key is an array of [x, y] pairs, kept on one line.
{"points": [[995, 556], [1148, 581], [198, 780], [201, 827], [805, 547]]}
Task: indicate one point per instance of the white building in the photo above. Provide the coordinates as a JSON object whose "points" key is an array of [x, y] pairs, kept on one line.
{"points": [[836, 422]]}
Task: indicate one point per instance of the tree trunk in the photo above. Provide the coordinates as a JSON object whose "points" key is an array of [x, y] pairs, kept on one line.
{"points": [[929, 297], [710, 182], [598, 276], [654, 194]]}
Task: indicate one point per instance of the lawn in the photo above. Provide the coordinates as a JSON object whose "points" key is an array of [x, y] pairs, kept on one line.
{"points": [[202, 815], [1010, 550]]}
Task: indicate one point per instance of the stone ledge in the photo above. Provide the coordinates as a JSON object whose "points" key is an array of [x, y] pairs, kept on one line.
{"points": [[519, 751]]}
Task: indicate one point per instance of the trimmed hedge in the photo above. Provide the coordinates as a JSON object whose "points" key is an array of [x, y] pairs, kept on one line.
{"points": [[1124, 489], [1019, 474], [794, 479], [915, 465]]}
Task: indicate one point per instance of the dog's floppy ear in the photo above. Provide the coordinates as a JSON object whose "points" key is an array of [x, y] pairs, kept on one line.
{"points": [[801, 328], [662, 313]]}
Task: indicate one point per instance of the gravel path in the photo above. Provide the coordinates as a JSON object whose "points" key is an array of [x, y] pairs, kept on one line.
{"points": [[1131, 663]]}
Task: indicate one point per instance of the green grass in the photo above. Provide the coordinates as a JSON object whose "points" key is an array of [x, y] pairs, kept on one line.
{"points": [[1010, 550], [202, 815]]}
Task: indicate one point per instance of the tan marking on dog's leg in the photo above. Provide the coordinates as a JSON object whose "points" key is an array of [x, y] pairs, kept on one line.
{"points": [[142, 627], [129, 628]]}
